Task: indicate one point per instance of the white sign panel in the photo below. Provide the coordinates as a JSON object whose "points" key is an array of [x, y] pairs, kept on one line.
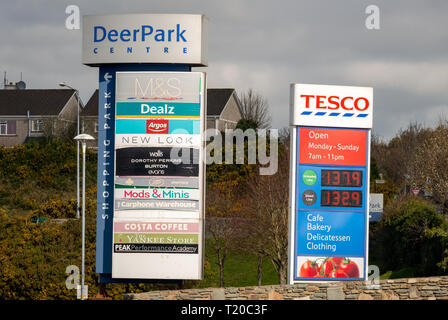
{"points": [[376, 202], [145, 38], [159, 192], [331, 106]]}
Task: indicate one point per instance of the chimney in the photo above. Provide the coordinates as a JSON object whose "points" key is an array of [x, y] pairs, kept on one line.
{"points": [[10, 86]]}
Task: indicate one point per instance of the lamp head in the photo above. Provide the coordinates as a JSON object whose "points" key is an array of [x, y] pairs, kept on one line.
{"points": [[83, 137]]}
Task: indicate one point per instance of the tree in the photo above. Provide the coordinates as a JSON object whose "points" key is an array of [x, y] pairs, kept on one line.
{"points": [[395, 157], [222, 205], [245, 124], [254, 109], [412, 234], [267, 210], [429, 168]]}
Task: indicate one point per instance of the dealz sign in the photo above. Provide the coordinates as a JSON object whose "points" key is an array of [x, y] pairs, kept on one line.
{"points": [[329, 184]]}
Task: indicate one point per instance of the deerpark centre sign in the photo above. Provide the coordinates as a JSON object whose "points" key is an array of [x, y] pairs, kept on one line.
{"points": [[151, 114]]}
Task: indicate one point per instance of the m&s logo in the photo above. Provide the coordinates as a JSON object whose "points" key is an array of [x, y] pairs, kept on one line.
{"points": [[157, 126]]}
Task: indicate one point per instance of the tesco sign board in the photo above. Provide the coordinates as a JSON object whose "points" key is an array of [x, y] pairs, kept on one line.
{"points": [[331, 106], [145, 38]]}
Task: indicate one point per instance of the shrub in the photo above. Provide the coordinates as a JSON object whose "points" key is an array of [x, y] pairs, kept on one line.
{"points": [[413, 235]]}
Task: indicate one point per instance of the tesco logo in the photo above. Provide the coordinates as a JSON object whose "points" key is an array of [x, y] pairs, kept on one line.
{"points": [[335, 102]]}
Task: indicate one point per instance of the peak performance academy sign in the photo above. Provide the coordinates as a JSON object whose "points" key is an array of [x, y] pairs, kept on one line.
{"points": [[145, 38]]}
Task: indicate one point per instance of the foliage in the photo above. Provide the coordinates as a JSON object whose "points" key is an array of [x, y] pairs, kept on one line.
{"points": [[429, 170], [395, 157], [411, 234], [374, 172], [255, 108], [223, 205], [34, 258], [400, 274], [245, 124], [241, 269], [388, 189], [247, 217], [226, 185], [266, 211], [225, 170], [46, 165]]}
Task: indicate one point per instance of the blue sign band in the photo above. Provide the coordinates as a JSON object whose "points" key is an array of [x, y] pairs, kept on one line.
{"points": [[330, 209], [105, 171], [327, 233]]}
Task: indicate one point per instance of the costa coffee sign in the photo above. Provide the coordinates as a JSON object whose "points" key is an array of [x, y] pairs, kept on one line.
{"points": [[331, 106], [157, 126]]}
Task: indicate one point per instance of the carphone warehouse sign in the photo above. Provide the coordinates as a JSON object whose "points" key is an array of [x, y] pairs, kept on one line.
{"points": [[329, 184], [145, 38]]}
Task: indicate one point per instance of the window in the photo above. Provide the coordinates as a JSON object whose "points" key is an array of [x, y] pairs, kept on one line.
{"points": [[7, 127], [3, 128], [37, 126], [96, 126]]}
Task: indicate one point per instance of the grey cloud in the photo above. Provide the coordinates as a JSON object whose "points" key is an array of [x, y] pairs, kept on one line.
{"points": [[264, 45]]}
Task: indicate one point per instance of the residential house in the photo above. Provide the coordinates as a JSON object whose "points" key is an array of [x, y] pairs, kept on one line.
{"points": [[89, 119], [26, 114], [223, 109]]}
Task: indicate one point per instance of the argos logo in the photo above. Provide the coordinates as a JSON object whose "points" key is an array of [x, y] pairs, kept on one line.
{"points": [[157, 126], [335, 102]]}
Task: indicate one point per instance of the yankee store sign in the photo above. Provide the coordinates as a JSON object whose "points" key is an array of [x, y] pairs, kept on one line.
{"points": [[329, 182], [151, 123]]}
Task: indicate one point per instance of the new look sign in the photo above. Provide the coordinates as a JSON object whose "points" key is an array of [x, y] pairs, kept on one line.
{"points": [[145, 38]]}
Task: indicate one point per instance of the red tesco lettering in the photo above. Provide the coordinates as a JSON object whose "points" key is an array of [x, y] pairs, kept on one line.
{"points": [[335, 102]]}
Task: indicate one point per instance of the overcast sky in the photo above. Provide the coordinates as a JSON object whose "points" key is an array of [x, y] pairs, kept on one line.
{"points": [[264, 45]]}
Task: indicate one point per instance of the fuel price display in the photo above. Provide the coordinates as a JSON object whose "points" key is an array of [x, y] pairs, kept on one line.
{"points": [[331, 197], [341, 178], [341, 198], [329, 186]]}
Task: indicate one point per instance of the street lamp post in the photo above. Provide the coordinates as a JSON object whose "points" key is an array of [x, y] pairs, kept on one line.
{"points": [[83, 138], [63, 84]]}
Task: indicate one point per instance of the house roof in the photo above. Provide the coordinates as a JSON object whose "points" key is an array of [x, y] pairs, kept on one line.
{"points": [[216, 101], [91, 107], [42, 102]]}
